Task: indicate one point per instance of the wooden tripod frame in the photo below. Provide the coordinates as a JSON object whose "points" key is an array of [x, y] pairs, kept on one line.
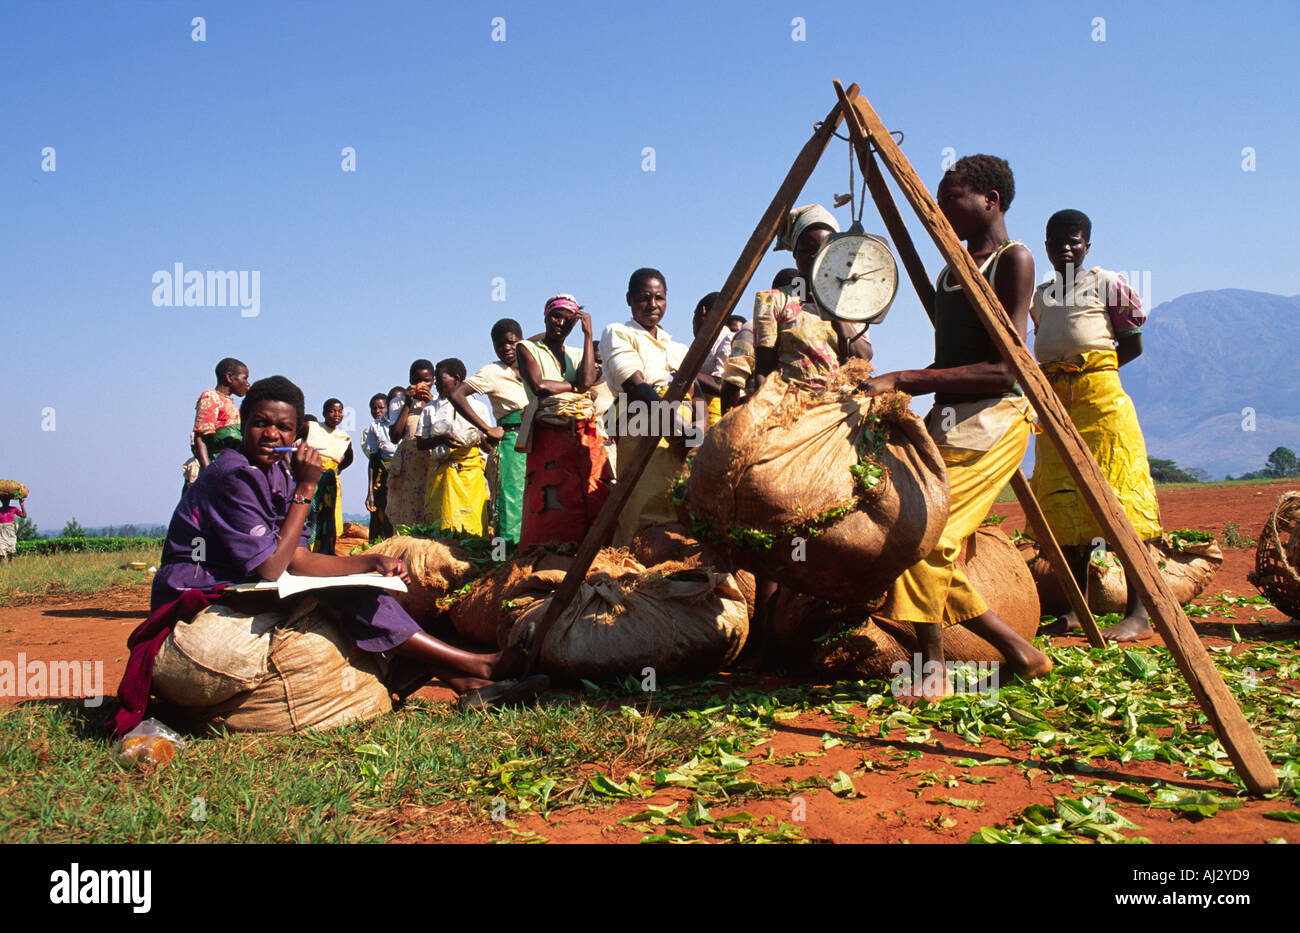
{"points": [[869, 134]]}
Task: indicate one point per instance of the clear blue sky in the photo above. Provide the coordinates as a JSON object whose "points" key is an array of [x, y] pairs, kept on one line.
{"points": [[523, 159]]}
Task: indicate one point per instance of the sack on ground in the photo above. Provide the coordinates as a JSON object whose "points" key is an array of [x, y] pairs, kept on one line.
{"points": [[833, 493], [480, 615], [314, 678], [671, 542], [437, 568], [998, 573], [626, 618], [1188, 567]]}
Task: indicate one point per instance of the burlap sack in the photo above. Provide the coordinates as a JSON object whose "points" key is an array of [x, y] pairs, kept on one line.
{"points": [[408, 473], [437, 568], [315, 679], [1187, 567], [780, 467], [1277, 556], [626, 618], [999, 575], [1050, 595], [673, 543], [479, 615], [217, 654]]}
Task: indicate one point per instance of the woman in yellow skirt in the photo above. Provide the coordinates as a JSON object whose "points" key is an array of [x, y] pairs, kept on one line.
{"points": [[1088, 323], [456, 494]]}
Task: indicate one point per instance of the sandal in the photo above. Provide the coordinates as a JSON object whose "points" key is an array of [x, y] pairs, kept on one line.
{"points": [[503, 693]]}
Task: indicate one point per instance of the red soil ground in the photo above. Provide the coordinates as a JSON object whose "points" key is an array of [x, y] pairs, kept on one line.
{"points": [[894, 798]]}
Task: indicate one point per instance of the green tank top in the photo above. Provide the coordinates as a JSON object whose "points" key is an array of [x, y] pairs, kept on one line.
{"points": [[959, 337]]}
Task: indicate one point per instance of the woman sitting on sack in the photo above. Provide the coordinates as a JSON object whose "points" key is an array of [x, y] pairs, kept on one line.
{"points": [[567, 478], [248, 513]]}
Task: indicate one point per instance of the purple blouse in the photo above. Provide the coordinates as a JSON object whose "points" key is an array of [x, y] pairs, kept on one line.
{"points": [[226, 524]]}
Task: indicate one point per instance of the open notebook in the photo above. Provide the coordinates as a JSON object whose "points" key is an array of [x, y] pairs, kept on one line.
{"points": [[291, 584]]}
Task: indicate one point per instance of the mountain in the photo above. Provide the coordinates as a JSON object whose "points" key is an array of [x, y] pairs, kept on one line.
{"points": [[1218, 384]]}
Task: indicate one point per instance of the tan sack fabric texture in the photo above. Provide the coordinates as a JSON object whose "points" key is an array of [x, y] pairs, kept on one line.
{"points": [[781, 466], [437, 568], [626, 618], [315, 679]]}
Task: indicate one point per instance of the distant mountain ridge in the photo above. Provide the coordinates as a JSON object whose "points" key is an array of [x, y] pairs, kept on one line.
{"points": [[1218, 384]]}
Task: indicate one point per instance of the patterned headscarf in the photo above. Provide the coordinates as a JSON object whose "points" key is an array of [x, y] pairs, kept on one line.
{"points": [[566, 302], [799, 220]]}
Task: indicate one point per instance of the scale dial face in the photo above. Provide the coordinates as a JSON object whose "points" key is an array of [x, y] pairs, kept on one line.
{"points": [[855, 277]]}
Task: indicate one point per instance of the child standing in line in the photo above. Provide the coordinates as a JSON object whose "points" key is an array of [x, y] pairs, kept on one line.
{"points": [[456, 494], [379, 449], [500, 382], [1087, 324], [216, 416], [335, 448]]}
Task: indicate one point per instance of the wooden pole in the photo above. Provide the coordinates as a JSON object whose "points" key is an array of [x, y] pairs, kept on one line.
{"points": [[893, 220], [1202, 676], [631, 468], [1052, 550]]}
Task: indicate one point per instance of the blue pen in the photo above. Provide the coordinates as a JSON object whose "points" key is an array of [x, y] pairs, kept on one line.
{"points": [[289, 450]]}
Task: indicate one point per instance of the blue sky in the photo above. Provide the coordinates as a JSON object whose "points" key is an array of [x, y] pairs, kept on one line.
{"points": [[523, 159]]}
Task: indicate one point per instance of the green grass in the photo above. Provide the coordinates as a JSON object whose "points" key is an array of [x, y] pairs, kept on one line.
{"points": [[353, 784], [32, 577]]}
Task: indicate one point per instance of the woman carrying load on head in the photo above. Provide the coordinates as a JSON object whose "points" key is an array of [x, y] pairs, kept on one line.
{"points": [[641, 359], [792, 334], [335, 448], [568, 476], [500, 382], [456, 494], [250, 509]]}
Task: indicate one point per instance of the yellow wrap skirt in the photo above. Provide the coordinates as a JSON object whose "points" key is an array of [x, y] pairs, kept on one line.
{"points": [[1089, 387], [456, 493], [935, 589]]}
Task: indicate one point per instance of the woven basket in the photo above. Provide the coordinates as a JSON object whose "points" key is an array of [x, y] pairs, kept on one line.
{"points": [[1277, 557]]}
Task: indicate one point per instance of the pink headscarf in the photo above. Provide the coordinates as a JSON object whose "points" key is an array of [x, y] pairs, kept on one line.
{"points": [[565, 302]]}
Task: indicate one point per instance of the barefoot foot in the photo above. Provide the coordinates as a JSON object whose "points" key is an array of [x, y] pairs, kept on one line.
{"points": [[1130, 628]]}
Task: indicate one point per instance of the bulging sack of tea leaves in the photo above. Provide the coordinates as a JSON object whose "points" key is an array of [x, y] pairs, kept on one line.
{"points": [[830, 492], [311, 676], [408, 474], [437, 568], [671, 542], [1277, 556], [1050, 595], [1188, 561], [996, 571], [485, 614], [626, 618]]}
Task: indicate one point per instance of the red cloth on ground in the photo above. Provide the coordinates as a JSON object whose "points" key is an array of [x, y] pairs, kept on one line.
{"points": [[144, 642], [573, 461]]}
